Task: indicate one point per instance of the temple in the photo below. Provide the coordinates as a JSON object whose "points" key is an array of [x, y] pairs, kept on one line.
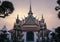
{"points": [[31, 28]]}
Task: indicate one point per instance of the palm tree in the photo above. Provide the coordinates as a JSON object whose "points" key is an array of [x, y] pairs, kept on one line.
{"points": [[6, 8]]}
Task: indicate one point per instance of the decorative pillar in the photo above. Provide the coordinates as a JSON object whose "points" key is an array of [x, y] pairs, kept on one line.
{"points": [[35, 36], [24, 37]]}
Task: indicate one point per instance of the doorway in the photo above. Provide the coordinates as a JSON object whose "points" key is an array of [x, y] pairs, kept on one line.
{"points": [[30, 36]]}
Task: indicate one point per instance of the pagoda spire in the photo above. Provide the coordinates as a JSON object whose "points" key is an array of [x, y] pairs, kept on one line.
{"points": [[30, 5], [17, 20], [30, 11], [42, 18], [17, 16]]}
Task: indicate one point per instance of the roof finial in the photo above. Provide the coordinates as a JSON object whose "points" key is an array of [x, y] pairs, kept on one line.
{"points": [[42, 16], [17, 16], [30, 4], [17, 20], [30, 11]]}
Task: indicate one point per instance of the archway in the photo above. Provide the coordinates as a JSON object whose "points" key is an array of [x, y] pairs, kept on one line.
{"points": [[30, 36]]}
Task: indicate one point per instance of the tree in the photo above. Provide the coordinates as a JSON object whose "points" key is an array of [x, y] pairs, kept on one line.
{"points": [[57, 8], [6, 8], [3, 36], [58, 32]]}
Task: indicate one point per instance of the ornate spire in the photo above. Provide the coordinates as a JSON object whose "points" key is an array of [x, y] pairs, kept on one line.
{"points": [[17, 16], [30, 11], [42, 18], [17, 20], [30, 5]]}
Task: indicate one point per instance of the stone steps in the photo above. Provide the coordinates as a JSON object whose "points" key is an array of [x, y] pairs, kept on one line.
{"points": [[30, 41]]}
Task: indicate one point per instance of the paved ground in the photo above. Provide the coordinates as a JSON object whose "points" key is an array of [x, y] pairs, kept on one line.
{"points": [[30, 41]]}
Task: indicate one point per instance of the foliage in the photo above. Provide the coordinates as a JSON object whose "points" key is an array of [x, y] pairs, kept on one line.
{"points": [[8, 5], [6, 8], [58, 31], [3, 37], [57, 8], [58, 1], [59, 15]]}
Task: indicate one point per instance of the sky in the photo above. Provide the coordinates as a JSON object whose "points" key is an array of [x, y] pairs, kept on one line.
{"points": [[39, 7]]}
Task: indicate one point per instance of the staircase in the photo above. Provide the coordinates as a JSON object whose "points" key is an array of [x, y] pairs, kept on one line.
{"points": [[30, 41]]}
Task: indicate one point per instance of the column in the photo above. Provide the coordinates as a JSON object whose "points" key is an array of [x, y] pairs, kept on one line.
{"points": [[24, 37]]}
